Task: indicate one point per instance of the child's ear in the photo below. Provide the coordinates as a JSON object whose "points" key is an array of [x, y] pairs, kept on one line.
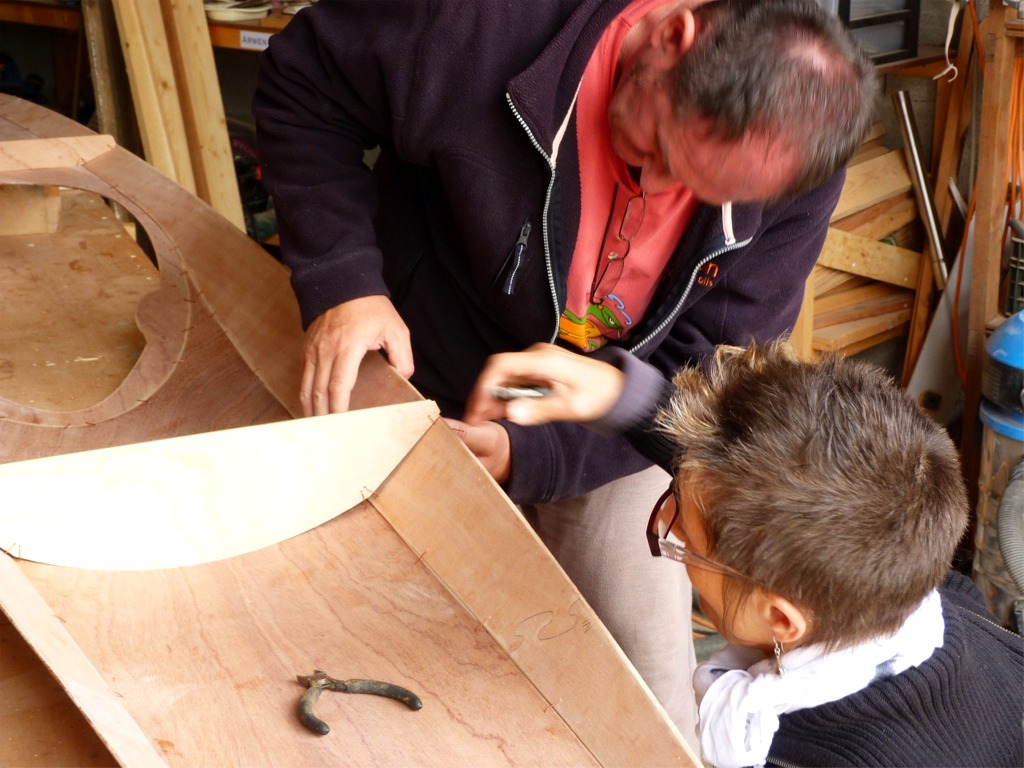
{"points": [[788, 622]]}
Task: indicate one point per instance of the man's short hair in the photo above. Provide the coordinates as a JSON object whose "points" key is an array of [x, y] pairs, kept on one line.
{"points": [[783, 68], [823, 482]]}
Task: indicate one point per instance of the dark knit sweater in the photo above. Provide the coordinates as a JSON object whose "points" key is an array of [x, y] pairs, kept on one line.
{"points": [[964, 706]]}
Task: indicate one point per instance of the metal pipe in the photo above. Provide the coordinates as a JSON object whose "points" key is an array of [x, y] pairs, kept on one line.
{"points": [[922, 192]]}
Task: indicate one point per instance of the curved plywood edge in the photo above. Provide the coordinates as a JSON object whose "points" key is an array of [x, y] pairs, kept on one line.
{"points": [[52, 642], [201, 498], [516, 590]]}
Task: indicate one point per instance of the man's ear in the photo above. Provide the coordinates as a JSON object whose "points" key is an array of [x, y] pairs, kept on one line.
{"points": [[788, 622], [672, 37]]}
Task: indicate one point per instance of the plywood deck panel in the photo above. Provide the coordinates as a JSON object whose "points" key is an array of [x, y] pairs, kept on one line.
{"points": [[220, 689]]}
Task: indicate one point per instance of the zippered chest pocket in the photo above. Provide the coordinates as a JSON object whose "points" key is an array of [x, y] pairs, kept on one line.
{"points": [[511, 269]]}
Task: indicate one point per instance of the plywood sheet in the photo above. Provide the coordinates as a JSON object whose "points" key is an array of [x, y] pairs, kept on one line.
{"points": [[194, 499]]}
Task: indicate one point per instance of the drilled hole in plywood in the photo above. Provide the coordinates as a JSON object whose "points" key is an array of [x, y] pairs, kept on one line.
{"points": [[71, 278]]}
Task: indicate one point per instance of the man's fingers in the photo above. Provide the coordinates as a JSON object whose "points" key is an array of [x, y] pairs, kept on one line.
{"points": [[399, 351]]}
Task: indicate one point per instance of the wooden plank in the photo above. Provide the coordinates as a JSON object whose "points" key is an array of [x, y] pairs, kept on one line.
{"points": [[218, 648], [800, 338], [871, 182], [890, 301], [41, 14], [218, 645], [109, 75], [870, 258], [920, 316], [202, 108], [50, 639], [838, 337], [881, 219], [855, 295], [872, 341], [994, 155], [154, 89], [872, 145], [828, 280], [63, 152]]}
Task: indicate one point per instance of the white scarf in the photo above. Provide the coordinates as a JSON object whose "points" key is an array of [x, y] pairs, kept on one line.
{"points": [[741, 696]]}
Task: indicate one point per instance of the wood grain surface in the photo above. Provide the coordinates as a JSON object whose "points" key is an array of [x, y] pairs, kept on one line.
{"points": [[205, 658]]}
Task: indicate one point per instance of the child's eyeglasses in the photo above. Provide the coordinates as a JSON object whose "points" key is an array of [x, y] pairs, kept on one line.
{"points": [[664, 542]]}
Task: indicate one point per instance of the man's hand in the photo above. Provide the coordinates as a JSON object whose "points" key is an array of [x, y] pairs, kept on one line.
{"points": [[581, 388], [489, 443], [336, 343]]}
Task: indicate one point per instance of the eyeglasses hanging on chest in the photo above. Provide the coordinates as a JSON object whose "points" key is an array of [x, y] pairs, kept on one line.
{"points": [[622, 226]]}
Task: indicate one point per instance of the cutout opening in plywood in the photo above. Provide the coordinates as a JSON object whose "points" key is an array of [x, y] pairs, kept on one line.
{"points": [[71, 280]]}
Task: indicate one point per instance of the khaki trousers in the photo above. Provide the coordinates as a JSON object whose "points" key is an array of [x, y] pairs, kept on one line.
{"points": [[644, 601]]}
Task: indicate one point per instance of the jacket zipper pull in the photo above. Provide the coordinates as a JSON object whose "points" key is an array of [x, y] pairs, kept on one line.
{"points": [[516, 259]]}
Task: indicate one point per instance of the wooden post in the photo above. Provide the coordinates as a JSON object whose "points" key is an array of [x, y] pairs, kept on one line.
{"points": [[202, 108], [151, 74], [1000, 52]]}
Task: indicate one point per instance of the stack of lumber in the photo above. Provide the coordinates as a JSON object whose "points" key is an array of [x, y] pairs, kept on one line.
{"points": [[173, 78], [863, 289]]}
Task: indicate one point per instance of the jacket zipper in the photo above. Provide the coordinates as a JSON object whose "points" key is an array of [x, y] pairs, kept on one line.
{"points": [[682, 299], [516, 259], [547, 250], [544, 213]]}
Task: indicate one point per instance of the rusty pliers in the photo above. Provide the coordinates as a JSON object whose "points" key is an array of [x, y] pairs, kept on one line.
{"points": [[321, 681]]}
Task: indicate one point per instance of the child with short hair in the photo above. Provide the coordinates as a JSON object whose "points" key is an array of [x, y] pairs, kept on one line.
{"points": [[817, 510]]}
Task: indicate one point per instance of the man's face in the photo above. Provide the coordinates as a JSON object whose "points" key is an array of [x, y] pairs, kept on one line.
{"points": [[646, 134]]}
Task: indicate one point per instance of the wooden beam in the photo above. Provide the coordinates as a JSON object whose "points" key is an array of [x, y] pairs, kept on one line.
{"points": [[991, 195], [800, 338], [838, 338], [881, 219], [63, 152], [885, 302], [828, 280], [872, 182], [154, 90], [870, 258], [202, 108]]}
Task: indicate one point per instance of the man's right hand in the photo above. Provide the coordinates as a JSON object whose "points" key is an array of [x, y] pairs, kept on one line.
{"points": [[336, 343]]}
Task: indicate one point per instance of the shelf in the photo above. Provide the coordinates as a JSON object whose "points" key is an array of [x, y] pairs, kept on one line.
{"points": [[56, 14], [42, 13]]}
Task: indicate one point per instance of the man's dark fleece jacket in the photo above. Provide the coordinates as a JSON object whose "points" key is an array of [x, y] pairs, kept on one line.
{"points": [[469, 218]]}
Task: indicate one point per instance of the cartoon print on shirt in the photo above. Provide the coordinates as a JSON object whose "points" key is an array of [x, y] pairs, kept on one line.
{"points": [[592, 331]]}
